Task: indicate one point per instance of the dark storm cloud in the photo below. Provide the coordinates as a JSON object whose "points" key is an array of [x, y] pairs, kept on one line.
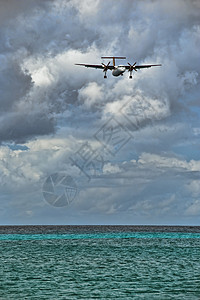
{"points": [[9, 9], [14, 84], [47, 37], [38, 30], [31, 125]]}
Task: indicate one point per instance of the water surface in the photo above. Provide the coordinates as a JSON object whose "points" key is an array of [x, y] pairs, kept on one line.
{"points": [[99, 262]]}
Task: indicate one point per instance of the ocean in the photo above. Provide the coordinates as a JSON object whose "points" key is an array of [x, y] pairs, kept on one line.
{"points": [[99, 262]]}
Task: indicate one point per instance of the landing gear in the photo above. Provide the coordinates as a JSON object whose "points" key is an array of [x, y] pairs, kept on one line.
{"points": [[131, 68], [105, 68]]}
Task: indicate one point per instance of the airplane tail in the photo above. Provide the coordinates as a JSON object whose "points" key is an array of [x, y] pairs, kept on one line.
{"points": [[114, 57]]}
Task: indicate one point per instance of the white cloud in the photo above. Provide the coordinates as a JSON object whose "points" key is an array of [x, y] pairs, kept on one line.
{"points": [[168, 162], [91, 94], [54, 107], [109, 168]]}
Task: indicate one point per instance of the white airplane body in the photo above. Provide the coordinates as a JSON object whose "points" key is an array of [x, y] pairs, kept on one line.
{"points": [[117, 70]]}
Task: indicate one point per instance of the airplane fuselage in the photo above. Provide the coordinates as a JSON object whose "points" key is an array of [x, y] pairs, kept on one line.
{"points": [[118, 70]]}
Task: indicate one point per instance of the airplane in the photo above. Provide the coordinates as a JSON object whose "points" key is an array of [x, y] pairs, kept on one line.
{"points": [[117, 70]]}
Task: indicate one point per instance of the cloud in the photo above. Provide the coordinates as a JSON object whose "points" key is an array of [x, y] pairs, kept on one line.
{"points": [[46, 42], [91, 94], [53, 107], [169, 162]]}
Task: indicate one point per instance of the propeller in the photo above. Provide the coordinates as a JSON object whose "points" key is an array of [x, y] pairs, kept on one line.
{"points": [[105, 66], [131, 68]]}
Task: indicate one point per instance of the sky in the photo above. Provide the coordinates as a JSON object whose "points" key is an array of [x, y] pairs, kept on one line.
{"points": [[76, 148]]}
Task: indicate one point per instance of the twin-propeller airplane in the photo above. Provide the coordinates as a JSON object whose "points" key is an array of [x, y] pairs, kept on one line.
{"points": [[117, 70]]}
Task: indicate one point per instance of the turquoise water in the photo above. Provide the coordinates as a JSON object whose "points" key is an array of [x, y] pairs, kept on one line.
{"points": [[100, 265], [119, 235]]}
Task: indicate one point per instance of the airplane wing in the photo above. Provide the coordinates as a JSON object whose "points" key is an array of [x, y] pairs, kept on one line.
{"points": [[95, 66], [141, 67], [146, 66]]}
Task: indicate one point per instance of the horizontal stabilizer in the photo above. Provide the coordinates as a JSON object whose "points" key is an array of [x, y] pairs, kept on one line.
{"points": [[118, 57], [114, 57]]}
